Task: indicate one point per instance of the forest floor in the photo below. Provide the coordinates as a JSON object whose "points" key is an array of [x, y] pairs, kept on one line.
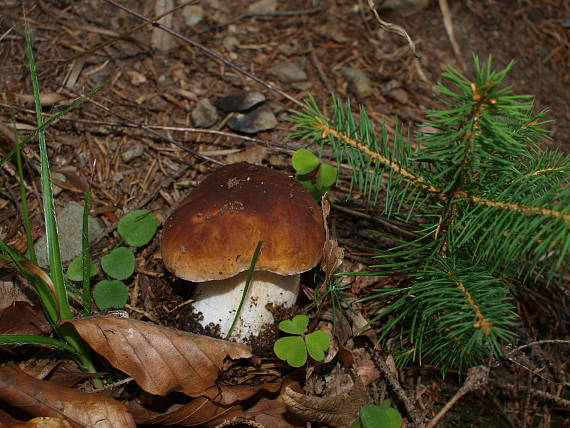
{"points": [[136, 144]]}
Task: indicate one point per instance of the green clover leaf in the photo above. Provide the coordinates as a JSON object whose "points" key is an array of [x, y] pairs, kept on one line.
{"points": [[291, 349], [297, 325], [317, 343]]}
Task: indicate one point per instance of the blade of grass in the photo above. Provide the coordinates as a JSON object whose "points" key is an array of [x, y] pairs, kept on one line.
{"points": [[27, 339], [23, 194], [36, 277], [246, 287], [85, 255], [54, 254]]}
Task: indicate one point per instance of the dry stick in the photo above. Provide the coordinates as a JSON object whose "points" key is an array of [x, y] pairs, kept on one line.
{"points": [[477, 377], [393, 28], [211, 53], [412, 409], [444, 7]]}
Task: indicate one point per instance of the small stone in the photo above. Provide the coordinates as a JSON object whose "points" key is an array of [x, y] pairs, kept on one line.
{"points": [[136, 78], [193, 15], [204, 114], [287, 72], [302, 86], [358, 82], [261, 119], [56, 190], [399, 95], [230, 43], [135, 150], [263, 6], [69, 226], [241, 101], [405, 7]]}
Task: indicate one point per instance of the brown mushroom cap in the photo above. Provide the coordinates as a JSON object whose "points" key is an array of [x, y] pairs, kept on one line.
{"points": [[213, 233]]}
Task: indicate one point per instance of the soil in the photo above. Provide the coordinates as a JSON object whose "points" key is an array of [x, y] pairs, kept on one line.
{"points": [[149, 94]]}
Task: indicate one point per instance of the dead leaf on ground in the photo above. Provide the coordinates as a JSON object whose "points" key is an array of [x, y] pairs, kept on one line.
{"points": [[23, 318], [41, 422], [269, 410], [40, 398], [160, 359], [337, 411]]}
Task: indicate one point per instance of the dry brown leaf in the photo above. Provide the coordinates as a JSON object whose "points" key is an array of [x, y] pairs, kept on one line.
{"points": [[336, 411], [23, 318], [41, 398], [269, 410], [41, 423], [160, 359]]}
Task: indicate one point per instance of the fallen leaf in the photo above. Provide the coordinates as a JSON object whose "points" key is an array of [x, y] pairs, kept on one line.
{"points": [[160, 359], [40, 398], [336, 411], [23, 318], [41, 423]]}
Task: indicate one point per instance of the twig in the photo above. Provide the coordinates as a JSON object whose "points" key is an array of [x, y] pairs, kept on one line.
{"points": [[477, 377], [211, 53], [545, 396], [393, 28], [412, 409], [444, 7]]}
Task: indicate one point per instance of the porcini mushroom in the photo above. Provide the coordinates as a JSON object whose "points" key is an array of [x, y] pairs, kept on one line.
{"points": [[212, 235]]}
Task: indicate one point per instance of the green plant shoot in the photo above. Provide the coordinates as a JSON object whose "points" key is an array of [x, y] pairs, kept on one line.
{"points": [[294, 349]]}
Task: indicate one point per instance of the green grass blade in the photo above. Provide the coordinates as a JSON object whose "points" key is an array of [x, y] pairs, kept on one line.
{"points": [[54, 255], [27, 339], [23, 193], [246, 288], [85, 255]]}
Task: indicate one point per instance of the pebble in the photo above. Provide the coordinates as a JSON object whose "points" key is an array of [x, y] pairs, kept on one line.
{"points": [[241, 101], [55, 189], [135, 150], [136, 78], [405, 7], [204, 114], [399, 95], [230, 43], [260, 119], [193, 15], [287, 72], [358, 82], [69, 226], [263, 6]]}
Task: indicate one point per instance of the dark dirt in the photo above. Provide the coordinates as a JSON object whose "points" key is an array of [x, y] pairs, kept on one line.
{"points": [[78, 45]]}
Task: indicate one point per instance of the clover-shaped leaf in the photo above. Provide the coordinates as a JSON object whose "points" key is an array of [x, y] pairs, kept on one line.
{"points": [[138, 227], [297, 325], [382, 416], [317, 343], [304, 161], [119, 263], [110, 294], [75, 269], [326, 176], [291, 349]]}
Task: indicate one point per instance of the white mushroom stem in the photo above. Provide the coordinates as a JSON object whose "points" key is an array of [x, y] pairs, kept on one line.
{"points": [[219, 300]]}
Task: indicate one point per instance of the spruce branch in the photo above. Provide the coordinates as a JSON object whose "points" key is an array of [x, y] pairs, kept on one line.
{"points": [[481, 199]]}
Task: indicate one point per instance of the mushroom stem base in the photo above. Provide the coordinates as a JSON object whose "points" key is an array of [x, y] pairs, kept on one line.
{"points": [[218, 301]]}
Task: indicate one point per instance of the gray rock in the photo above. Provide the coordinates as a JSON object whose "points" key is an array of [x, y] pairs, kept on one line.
{"points": [[405, 7], [135, 150], [192, 15], [205, 114], [358, 82], [263, 6], [241, 101], [69, 225], [287, 72], [261, 119], [56, 190], [230, 43]]}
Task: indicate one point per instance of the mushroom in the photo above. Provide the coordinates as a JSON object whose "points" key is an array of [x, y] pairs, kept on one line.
{"points": [[211, 237]]}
